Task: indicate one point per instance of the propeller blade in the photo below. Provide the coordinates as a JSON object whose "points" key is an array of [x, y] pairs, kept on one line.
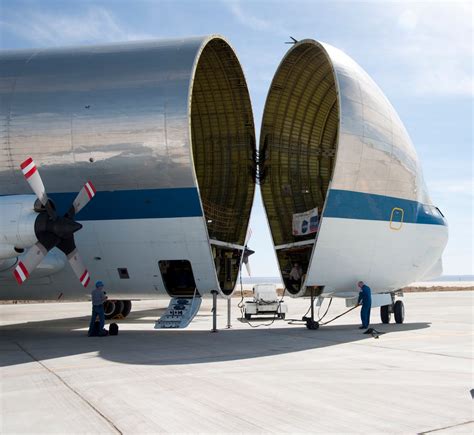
{"points": [[248, 235], [68, 246], [28, 262], [247, 253], [28, 167], [78, 267], [247, 266], [83, 197]]}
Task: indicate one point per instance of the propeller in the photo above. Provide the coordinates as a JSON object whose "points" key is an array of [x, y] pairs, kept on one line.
{"points": [[52, 230]]}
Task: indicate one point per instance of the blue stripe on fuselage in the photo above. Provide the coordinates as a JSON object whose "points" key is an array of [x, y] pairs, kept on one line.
{"points": [[184, 202], [134, 204], [367, 206]]}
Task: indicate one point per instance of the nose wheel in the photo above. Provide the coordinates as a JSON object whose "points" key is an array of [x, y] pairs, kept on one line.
{"points": [[386, 313], [398, 310]]}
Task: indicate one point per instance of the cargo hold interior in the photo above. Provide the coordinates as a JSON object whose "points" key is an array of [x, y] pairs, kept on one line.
{"points": [[223, 143]]}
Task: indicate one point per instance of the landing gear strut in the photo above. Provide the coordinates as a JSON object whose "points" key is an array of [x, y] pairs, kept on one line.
{"points": [[311, 323]]}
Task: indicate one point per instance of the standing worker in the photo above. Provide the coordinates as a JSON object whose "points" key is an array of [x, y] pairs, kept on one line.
{"points": [[365, 297], [98, 297], [296, 274]]}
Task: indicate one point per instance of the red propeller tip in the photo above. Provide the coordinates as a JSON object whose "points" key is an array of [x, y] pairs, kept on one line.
{"points": [[85, 278], [20, 273], [26, 163], [28, 167], [90, 189]]}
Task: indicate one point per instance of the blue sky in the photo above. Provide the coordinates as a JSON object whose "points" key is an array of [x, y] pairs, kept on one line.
{"points": [[419, 53]]}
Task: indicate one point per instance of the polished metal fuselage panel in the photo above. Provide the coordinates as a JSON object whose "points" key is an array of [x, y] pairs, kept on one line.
{"points": [[115, 114], [120, 116], [374, 153]]}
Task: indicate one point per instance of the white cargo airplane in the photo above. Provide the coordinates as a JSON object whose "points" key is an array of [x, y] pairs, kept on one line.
{"points": [[164, 130]]}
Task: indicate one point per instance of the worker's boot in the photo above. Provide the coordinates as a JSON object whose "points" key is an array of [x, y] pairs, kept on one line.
{"points": [[103, 333]]}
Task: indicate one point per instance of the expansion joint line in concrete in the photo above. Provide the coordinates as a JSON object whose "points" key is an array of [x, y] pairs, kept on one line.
{"points": [[446, 427], [110, 422]]}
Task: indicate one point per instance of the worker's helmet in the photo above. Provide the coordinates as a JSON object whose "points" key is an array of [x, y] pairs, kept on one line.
{"points": [[99, 284]]}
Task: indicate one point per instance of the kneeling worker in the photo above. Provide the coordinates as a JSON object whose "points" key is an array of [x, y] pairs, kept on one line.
{"points": [[98, 298], [366, 298]]}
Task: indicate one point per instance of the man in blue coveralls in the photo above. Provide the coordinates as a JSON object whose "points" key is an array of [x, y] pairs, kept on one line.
{"points": [[366, 298], [98, 298]]}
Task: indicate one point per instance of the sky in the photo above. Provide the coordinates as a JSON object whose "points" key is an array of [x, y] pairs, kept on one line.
{"points": [[419, 53]]}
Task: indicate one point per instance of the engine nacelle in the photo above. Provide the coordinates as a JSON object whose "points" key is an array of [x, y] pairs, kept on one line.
{"points": [[17, 224]]}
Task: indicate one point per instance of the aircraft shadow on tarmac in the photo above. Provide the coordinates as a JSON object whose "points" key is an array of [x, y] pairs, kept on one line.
{"points": [[45, 340]]}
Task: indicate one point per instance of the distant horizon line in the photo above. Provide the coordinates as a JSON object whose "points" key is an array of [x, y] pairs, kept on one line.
{"points": [[273, 279]]}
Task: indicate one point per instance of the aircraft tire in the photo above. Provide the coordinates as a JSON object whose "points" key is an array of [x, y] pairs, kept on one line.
{"points": [[109, 309], [248, 316], [385, 314], [399, 311], [118, 310], [282, 316], [127, 307]]}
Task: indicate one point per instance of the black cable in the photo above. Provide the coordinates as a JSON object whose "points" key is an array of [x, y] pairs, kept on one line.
{"points": [[293, 321], [299, 322], [302, 321], [340, 315], [327, 309]]}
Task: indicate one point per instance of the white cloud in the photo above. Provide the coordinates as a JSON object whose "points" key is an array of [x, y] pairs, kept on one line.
{"points": [[435, 47], [96, 24], [408, 20], [247, 19]]}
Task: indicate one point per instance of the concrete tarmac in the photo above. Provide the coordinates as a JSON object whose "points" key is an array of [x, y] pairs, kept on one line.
{"points": [[416, 378]]}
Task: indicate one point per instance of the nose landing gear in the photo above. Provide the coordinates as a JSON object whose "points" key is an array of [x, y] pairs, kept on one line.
{"points": [[399, 311], [397, 308]]}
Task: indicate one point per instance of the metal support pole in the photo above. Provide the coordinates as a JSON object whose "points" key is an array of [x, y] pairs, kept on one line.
{"points": [[311, 323], [229, 308], [214, 311]]}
